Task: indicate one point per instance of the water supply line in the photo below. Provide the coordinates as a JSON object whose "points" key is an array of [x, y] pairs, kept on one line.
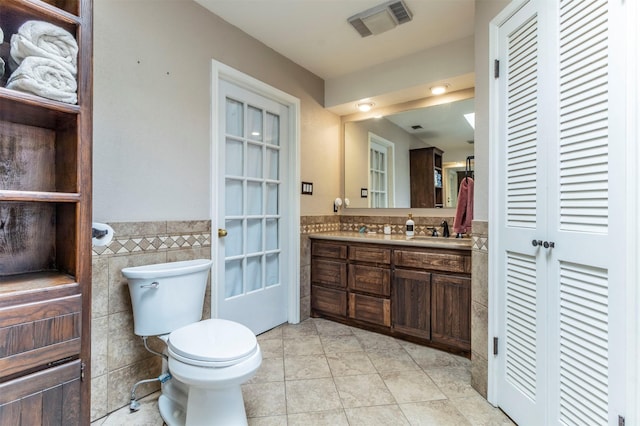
{"points": [[134, 405]]}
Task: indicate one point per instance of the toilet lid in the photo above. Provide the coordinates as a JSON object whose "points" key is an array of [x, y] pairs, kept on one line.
{"points": [[213, 340]]}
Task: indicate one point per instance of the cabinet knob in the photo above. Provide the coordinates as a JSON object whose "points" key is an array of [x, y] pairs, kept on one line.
{"points": [[536, 243]]}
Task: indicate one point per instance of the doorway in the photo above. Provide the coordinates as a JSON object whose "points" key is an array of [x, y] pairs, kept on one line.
{"points": [[255, 208]]}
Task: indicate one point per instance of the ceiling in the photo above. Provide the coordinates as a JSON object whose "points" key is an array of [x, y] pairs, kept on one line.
{"points": [[443, 126], [316, 35]]}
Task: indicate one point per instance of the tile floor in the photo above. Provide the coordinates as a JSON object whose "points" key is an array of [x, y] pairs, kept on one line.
{"points": [[320, 372]]}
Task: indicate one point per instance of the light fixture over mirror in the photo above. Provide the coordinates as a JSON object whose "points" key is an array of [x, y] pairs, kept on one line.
{"points": [[439, 89], [365, 106], [377, 150]]}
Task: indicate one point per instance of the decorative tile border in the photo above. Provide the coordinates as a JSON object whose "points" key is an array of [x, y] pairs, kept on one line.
{"points": [[144, 237], [480, 238], [479, 243]]}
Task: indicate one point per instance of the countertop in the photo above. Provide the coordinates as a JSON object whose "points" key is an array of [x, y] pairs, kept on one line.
{"points": [[401, 240]]}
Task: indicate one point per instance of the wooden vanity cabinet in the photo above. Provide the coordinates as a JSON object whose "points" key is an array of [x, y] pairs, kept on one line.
{"points": [[370, 284], [421, 294], [432, 296], [329, 278]]}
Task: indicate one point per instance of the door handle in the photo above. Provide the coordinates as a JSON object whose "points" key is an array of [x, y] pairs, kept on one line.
{"points": [[222, 233], [549, 244], [536, 243]]}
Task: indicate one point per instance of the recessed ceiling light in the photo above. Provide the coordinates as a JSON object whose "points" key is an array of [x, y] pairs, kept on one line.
{"points": [[365, 106], [439, 90]]}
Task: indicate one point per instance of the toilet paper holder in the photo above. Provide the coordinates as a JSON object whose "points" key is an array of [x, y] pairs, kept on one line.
{"points": [[101, 234], [98, 233]]}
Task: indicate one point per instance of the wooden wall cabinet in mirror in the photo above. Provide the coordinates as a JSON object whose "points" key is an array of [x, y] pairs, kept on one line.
{"points": [[425, 166]]}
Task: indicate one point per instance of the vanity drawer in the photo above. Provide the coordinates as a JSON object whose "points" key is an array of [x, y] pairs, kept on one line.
{"points": [[371, 254], [374, 310], [333, 250], [329, 272], [370, 279], [449, 262], [329, 301], [37, 334]]}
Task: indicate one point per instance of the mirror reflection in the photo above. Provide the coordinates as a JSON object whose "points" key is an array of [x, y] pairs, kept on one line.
{"points": [[410, 159]]}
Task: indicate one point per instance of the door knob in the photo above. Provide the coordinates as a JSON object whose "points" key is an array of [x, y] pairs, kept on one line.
{"points": [[222, 233], [549, 244], [536, 243]]}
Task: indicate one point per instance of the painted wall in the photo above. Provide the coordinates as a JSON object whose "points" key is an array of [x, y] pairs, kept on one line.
{"points": [[152, 63], [485, 11]]}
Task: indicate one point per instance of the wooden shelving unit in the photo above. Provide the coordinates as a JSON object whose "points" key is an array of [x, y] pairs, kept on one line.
{"points": [[45, 234], [426, 177]]}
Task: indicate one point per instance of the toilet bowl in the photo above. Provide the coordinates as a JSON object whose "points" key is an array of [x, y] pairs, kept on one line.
{"points": [[208, 360]]}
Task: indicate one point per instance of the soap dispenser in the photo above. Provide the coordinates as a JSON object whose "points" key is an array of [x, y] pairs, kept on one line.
{"points": [[409, 225]]}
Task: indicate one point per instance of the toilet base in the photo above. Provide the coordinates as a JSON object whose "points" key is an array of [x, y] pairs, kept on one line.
{"points": [[172, 413], [205, 407], [216, 407]]}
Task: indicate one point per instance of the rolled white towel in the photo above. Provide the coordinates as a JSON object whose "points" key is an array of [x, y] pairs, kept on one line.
{"points": [[1, 36], [39, 38], [44, 77]]}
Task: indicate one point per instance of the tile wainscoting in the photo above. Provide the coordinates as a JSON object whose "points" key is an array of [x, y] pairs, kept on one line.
{"points": [[479, 306], [118, 356]]}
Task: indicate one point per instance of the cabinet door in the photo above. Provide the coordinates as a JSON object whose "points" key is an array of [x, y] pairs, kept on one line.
{"points": [[411, 307], [451, 311]]}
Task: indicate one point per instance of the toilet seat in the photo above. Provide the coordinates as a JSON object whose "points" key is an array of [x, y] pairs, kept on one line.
{"points": [[212, 343]]}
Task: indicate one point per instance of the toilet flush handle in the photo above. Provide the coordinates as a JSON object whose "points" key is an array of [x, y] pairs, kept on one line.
{"points": [[154, 284], [222, 233]]}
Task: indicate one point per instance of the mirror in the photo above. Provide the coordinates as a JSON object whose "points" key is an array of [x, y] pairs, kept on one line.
{"points": [[378, 169]]}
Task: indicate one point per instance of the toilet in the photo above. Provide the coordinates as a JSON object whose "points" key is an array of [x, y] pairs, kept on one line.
{"points": [[208, 359]]}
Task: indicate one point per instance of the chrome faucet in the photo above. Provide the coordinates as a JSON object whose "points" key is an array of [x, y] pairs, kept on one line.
{"points": [[445, 229]]}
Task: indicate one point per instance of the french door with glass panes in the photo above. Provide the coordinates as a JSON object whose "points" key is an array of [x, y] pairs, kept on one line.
{"points": [[380, 172], [250, 254]]}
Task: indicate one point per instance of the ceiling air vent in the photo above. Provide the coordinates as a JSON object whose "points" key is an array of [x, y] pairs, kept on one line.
{"points": [[380, 18]]}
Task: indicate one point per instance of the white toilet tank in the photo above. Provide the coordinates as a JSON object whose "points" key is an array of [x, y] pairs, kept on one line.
{"points": [[167, 296]]}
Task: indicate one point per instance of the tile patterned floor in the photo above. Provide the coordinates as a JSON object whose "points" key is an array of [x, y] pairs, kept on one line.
{"points": [[320, 372]]}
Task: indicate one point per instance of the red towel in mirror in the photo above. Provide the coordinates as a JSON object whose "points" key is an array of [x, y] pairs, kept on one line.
{"points": [[464, 211]]}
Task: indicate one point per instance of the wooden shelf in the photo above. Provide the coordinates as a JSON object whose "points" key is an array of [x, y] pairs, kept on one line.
{"points": [[31, 110], [17, 12], [47, 197]]}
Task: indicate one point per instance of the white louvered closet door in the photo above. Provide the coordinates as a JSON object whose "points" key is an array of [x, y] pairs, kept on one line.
{"points": [[522, 368], [562, 348]]}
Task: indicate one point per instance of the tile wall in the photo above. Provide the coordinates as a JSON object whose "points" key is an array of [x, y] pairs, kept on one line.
{"points": [[479, 305], [118, 357]]}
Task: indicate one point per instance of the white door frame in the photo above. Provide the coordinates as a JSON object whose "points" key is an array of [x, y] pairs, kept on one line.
{"points": [[220, 71], [632, 38]]}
